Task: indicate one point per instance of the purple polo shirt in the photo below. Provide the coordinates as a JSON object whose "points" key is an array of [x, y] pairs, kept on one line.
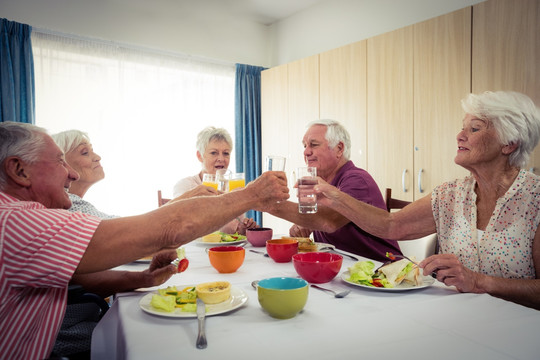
{"points": [[360, 185]]}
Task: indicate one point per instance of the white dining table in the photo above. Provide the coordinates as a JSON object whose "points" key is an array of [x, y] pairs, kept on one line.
{"points": [[435, 322]]}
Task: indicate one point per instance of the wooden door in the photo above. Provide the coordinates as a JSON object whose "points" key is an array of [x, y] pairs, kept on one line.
{"points": [[390, 111], [442, 71], [506, 51], [343, 94]]}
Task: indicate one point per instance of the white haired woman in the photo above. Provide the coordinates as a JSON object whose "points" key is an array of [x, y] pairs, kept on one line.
{"points": [[488, 223], [214, 148], [81, 157], [75, 334]]}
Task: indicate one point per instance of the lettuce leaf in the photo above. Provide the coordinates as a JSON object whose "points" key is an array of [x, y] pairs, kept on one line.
{"points": [[165, 303]]}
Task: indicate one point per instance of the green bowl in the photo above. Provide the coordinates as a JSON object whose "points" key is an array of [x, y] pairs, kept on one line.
{"points": [[282, 297]]}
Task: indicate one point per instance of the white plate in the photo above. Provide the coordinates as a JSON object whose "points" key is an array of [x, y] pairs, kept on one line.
{"points": [[237, 299], [427, 281], [221, 243]]}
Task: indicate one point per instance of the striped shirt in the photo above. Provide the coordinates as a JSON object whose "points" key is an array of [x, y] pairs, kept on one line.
{"points": [[40, 249]]}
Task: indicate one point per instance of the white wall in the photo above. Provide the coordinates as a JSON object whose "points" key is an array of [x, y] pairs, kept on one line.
{"points": [[223, 34], [164, 25]]}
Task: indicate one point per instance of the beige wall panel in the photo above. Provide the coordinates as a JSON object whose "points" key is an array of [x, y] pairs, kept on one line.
{"points": [[274, 113], [390, 110], [442, 71], [274, 109], [286, 129], [343, 94], [303, 105], [506, 50]]}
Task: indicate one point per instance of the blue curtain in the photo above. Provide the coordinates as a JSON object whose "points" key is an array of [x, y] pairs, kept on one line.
{"points": [[248, 124], [17, 93]]}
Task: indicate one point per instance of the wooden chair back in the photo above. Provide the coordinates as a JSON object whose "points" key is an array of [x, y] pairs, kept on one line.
{"points": [[420, 248], [392, 203], [161, 200]]}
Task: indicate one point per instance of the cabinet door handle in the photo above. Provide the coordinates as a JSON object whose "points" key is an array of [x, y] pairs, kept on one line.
{"points": [[420, 181], [403, 180]]}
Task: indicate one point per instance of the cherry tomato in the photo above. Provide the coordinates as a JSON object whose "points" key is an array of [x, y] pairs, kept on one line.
{"points": [[183, 265]]}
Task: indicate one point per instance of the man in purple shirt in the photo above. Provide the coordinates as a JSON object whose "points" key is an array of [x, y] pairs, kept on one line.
{"points": [[327, 147]]}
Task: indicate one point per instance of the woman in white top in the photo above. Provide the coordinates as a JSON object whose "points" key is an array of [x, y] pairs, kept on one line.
{"points": [[214, 147], [488, 223]]}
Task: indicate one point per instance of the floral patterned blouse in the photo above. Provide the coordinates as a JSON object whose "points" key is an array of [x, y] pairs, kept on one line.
{"points": [[505, 247]]}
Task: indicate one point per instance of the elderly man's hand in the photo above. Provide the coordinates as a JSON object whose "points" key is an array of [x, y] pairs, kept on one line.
{"points": [[299, 231], [326, 193], [451, 272], [270, 187], [160, 269]]}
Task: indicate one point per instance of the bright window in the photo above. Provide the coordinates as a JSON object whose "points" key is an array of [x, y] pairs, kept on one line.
{"points": [[142, 111]]}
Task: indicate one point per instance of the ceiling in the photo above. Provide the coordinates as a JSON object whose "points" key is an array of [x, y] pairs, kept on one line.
{"points": [[263, 11]]}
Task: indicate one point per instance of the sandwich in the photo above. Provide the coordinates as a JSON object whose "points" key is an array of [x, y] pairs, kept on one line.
{"points": [[214, 237], [401, 271], [304, 244]]}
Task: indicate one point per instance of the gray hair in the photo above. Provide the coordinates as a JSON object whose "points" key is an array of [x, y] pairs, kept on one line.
{"points": [[209, 134], [68, 140], [514, 116], [21, 140], [335, 133]]}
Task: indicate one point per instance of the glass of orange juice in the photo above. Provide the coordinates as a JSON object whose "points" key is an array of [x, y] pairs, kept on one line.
{"points": [[210, 180], [237, 180]]}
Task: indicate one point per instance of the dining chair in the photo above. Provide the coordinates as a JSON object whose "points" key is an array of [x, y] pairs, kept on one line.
{"points": [[393, 203], [161, 200], [420, 248]]}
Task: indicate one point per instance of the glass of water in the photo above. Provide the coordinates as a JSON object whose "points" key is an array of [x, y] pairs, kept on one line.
{"points": [[307, 199]]}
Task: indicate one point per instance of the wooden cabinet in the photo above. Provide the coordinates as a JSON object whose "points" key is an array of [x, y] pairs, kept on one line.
{"points": [[303, 106], [343, 94], [506, 50], [274, 105], [289, 101], [442, 73], [390, 111], [416, 78]]}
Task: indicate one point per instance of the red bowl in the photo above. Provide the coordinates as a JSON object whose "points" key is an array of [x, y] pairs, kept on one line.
{"points": [[281, 250], [317, 267]]}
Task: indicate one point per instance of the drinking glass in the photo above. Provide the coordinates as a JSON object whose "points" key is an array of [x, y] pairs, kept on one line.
{"points": [[222, 179], [275, 163], [210, 180], [307, 199], [237, 180]]}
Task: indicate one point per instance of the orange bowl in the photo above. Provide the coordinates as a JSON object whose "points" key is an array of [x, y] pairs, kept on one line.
{"points": [[317, 267], [282, 250], [226, 259]]}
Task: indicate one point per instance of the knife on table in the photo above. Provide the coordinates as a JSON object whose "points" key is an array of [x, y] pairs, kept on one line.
{"points": [[334, 250], [201, 313]]}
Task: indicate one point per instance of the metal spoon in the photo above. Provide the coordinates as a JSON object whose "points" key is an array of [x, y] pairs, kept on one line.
{"points": [[341, 294], [254, 284], [259, 252]]}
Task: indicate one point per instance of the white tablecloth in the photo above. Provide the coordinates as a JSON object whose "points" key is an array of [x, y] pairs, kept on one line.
{"points": [[432, 323]]}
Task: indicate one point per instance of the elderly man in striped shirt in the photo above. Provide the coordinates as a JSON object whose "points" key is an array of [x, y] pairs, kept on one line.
{"points": [[42, 245]]}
